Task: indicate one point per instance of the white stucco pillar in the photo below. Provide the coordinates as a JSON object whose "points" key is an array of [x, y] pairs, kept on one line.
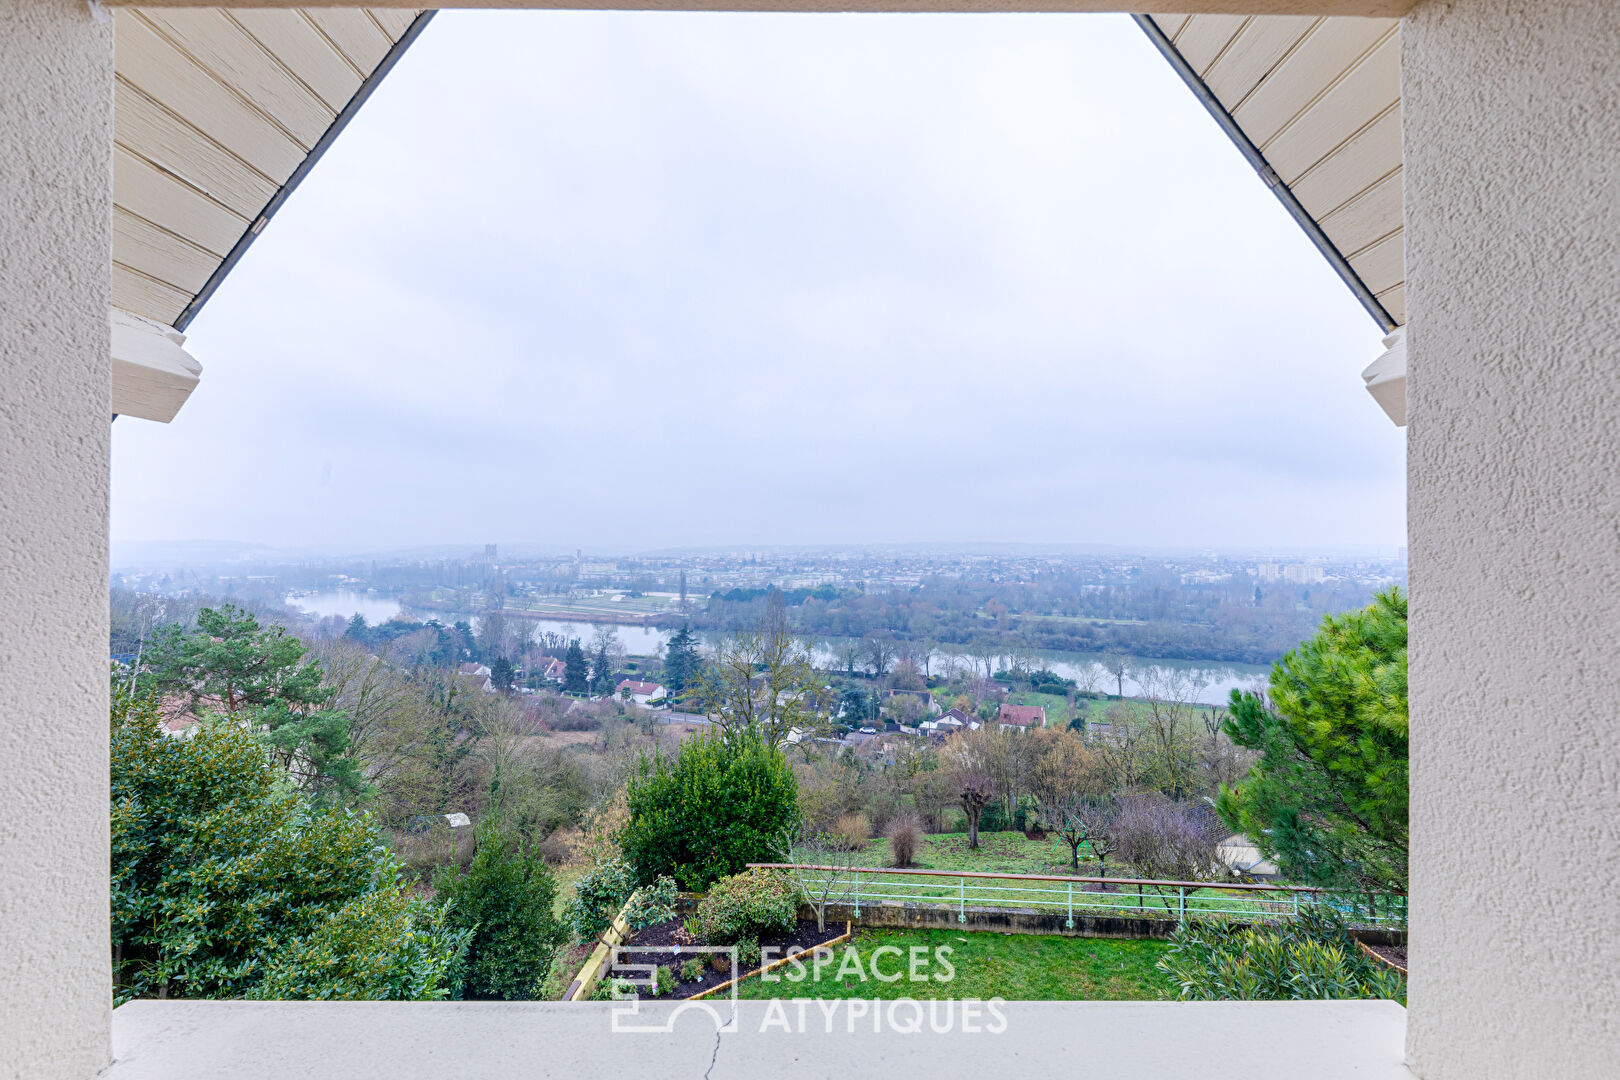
{"points": [[1512, 150], [56, 72]]}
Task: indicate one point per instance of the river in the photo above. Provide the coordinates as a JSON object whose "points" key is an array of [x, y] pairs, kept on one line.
{"points": [[1220, 679]]}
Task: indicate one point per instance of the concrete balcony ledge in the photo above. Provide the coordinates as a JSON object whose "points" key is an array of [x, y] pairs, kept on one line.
{"points": [[180, 1040]]}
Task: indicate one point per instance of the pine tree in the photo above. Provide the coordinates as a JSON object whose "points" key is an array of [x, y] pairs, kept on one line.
{"points": [[1328, 798], [576, 680], [680, 660], [260, 674], [602, 671]]}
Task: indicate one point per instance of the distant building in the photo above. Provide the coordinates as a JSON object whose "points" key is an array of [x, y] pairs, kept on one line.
{"points": [[552, 669], [922, 696], [1293, 573], [478, 675], [642, 693], [1240, 854], [1021, 717]]}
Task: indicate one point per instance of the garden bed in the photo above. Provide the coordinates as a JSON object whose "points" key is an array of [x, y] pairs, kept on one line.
{"points": [[1392, 956], [678, 947]]}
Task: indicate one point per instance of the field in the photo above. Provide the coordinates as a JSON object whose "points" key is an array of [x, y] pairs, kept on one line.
{"points": [[1016, 967]]}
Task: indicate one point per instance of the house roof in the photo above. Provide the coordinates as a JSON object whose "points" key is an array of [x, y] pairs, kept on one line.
{"points": [[1022, 715], [217, 116], [1315, 105], [639, 687]]}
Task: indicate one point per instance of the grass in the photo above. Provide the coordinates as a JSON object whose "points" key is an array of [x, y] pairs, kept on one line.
{"points": [[566, 877], [1016, 967], [998, 853], [1013, 853]]}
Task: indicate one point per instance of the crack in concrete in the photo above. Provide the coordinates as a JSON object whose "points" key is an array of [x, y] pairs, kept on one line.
{"points": [[715, 1056]]}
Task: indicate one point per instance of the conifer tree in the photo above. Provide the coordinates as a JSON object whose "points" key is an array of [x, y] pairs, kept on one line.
{"points": [[1328, 798]]}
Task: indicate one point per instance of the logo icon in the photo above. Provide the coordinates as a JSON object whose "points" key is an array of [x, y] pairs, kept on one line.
{"points": [[635, 985]]}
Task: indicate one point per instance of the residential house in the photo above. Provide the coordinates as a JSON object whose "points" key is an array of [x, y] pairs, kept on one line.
{"points": [[478, 675], [642, 693], [1021, 717]]}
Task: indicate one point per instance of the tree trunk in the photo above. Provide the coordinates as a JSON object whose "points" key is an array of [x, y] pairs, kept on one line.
{"points": [[973, 830]]}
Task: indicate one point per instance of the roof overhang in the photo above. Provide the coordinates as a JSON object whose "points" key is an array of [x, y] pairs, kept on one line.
{"points": [[1314, 105], [218, 116]]}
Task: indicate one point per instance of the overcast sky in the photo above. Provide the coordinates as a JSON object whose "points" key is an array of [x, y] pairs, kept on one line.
{"points": [[635, 281]]}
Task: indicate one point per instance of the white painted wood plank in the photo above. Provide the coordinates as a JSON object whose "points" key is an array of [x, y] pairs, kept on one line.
{"points": [[164, 74], [1171, 24], [1394, 301], [1370, 216], [1371, 88], [298, 45], [353, 32], [1363, 160], [1204, 36], [142, 125], [1382, 266], [134, 291], [1257, 50], [161, 199], [1322, 57], [151, 374], [394, 21], [234, 58], [140, 245]]}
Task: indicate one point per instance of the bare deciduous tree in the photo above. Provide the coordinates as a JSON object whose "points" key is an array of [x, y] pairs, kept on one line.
{"points": [[836, 861], [1169, 840], [761, 677], [1172, 716], [971, 778], [1069, 787], [1116, 664]]}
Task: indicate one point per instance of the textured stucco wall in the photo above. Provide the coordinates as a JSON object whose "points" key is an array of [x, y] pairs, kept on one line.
{"points": [[1512, 137], [55, 245]]}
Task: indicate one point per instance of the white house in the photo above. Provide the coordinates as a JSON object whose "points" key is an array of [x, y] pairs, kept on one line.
{"points": [[642, 693]]}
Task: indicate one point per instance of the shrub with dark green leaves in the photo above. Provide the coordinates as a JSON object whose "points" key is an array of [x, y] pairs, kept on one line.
{"points": [[723, 803], [692, 970], [226, 883], [1310, 958], [598, 897], [652, 904], [747, 906], [504, 899]]}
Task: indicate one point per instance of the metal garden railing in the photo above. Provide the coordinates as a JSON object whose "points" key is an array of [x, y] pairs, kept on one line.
{"points": [[1118, 897]]}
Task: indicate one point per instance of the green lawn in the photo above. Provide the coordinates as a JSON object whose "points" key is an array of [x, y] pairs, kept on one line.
{"points": [[998, 853], [1017, 967], [947, 854]]}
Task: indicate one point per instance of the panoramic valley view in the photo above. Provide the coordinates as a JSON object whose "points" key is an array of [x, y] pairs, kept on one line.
{"points": [[920, 536], [562, 752], [803, 540]]}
